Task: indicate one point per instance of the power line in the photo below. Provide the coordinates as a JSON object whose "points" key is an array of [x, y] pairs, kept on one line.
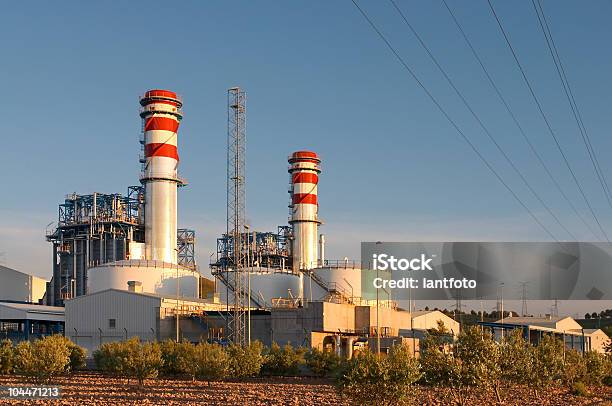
{"points": [[480, 122], [554, 53], [515, 119], [552, 133], [451, 121]]}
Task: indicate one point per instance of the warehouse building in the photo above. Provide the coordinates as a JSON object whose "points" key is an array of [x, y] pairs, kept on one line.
{"points": [[23, 321], [115, 314], [565, 328]]}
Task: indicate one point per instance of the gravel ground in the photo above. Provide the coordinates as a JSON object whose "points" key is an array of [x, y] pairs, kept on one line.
{"points": [[95, 389]]}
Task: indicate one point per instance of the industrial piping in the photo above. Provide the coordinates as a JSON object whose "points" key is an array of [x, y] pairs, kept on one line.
{"points": [[161, 115]]}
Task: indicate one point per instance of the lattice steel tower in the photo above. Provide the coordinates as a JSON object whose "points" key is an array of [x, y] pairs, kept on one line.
{"points": [[236, 140]]}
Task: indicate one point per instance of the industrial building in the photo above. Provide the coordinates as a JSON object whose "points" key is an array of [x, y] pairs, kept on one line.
{"points": [[115, 314], [23, 321], [122, 268], [564, 328], [20, 287]]}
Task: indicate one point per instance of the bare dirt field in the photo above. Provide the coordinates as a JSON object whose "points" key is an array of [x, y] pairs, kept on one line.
{"points": [[95, 389]]}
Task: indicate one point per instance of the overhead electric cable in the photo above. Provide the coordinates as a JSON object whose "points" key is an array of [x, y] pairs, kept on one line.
{"points": [[551, 131], [479, 120], [452, 122], [550, 42], [516, 121]]}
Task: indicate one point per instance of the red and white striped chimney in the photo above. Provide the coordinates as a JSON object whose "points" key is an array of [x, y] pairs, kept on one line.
{"points": [[161, 115], [304, 169]]}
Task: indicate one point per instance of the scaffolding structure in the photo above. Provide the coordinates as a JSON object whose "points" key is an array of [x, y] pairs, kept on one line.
{"points": [[270, 250], [95, 229], [91, 230], [185, 242]]}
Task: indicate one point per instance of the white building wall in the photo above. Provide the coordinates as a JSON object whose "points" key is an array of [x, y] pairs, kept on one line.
{"points": [[88, 317], [19, 286]]}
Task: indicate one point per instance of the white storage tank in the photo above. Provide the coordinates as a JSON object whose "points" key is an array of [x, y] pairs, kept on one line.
{"points": [[267, 284], [343, 277], [156, 277]]}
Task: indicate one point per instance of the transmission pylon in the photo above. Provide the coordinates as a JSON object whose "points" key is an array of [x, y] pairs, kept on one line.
{"points": [[236, 268], [524, 299]]}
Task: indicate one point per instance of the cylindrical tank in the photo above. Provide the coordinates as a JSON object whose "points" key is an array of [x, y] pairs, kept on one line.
{"points": [[304, 169], [155, 277], [269, 284], [346, 279], [161, 115]]}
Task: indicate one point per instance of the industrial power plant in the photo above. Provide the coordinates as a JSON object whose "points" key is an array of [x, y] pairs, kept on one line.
{"points": [[122, 268]]}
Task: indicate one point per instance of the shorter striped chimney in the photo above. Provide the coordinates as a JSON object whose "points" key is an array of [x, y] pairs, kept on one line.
{"points": [[304, 169]]}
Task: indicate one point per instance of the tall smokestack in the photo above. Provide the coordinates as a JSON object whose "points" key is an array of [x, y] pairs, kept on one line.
{"points": [[304, 169], [161, 115]]}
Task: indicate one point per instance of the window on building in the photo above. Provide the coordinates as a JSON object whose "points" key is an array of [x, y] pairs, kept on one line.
{"points": [[112, 323]]}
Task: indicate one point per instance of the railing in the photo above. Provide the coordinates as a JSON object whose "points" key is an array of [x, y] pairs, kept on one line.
{"points": [[336, 263]]}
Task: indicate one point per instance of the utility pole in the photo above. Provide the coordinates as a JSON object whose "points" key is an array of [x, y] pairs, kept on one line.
{"points": [[524, 299]]}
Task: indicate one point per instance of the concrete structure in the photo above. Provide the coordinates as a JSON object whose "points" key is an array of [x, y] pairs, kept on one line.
{"points": [[341, 327], [21, 321], [564, 328], [20, 287], [114, 314]]}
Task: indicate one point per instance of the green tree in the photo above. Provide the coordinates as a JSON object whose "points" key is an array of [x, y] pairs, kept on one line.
{"points": [[77, 354], [145, 360], [211, 362], [547, 361], [42, 359], [130, 359], [245, 361], [515, 359], [574, 368], [322, 363], [283, 361], [479, 357], [7, 357], [597, 368], [171, 357], [368, 379]]}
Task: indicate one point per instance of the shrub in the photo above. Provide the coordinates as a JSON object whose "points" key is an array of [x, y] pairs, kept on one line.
{"points": [[440, 367], [171, 356], [367, 379], [608, 380], [42, 359], [574, 368], [547, 361], [515, 358], [597, 368], [7, 357], [145, 360], [130, 359], [77, 354], [245, 361], [580, 389], [322, 363], [211, 362], [109, 358], [283, 361]]}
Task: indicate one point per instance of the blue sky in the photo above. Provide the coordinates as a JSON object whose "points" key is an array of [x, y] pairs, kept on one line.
{"points": [[317, 77]]}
